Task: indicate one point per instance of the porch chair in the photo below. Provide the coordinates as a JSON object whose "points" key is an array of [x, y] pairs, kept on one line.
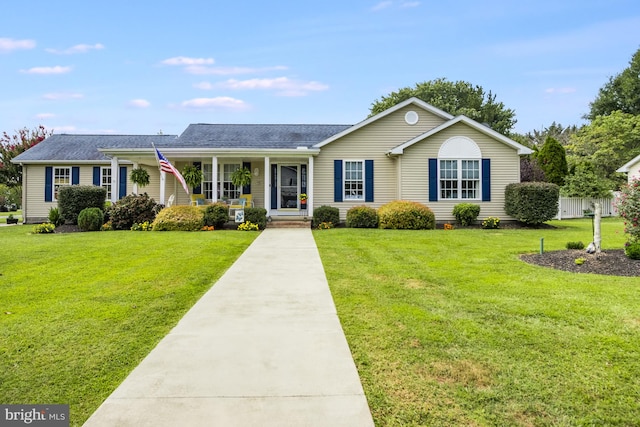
{"points": [[197, 199], [171, 199]]}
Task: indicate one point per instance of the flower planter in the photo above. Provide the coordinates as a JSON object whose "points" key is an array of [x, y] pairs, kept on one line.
{"points": [[12, 220]]}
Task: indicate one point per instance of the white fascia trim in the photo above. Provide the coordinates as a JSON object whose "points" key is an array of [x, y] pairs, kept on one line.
{"points": [[220, 152], [415, 101], [522, 150], [70, 162], [625, 168]]}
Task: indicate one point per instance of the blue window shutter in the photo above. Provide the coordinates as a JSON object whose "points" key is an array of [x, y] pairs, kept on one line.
{"points": [[337, 180], [486, 180], [96, 176], [75, 175], [368, 180], [247, 188], [433, 180], [274, 186], [198, 189], [48, 184], [122, 190]]}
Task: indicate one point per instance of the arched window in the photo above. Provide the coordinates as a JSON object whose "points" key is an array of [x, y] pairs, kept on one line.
{"points": [[459, 174]]}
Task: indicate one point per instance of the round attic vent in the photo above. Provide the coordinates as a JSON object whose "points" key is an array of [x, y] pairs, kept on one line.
{"points": [[411, 117]]}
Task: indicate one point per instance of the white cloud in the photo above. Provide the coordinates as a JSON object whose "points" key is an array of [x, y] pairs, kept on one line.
{"points": [[203, 86], [44, 116], [9, 45], [410, 4], [47, 70], [283, 85], [139, 103], [184, 60], [79, 48], [382, 5], [62, 95], [223, 102], [560, 90], [226, 71]]}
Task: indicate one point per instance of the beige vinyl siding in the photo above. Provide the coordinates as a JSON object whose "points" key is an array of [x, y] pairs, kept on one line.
{"points": [[371, 142], [505, 169], [634, 172]]}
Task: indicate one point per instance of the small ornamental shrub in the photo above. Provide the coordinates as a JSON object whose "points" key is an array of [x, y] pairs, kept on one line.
{"points": [[73, 199], [575, 245], [632, 250], [362, 217], [208, 228], [325, 226], [491, 223], [90, 219], [326, 214], [628, 206], [248, 226], [532, 203], [107, 226], [579, 261], [257, 216], [406, 215], [54, 217], [447, 226], [466, 213], [132, 209], [179, 218], [44, 228], [216, 215], [145, 226]]}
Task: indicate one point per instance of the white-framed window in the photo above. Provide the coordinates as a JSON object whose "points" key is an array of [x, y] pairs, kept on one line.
{"points": [[459, 179], [207, 181], [105, 180], [353, 180], [61, 177], [228, 190]]}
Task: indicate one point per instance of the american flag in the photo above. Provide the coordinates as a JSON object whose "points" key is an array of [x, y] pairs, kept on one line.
{"points": [[166, 166]]}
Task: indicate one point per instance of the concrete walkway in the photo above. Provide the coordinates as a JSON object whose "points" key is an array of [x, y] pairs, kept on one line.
{"points": [[264, 347]]}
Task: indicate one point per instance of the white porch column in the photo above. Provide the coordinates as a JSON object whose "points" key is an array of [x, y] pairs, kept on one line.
{"points": [[267, 186], [310, 187], [163, 183], [135, 186], [115, 179], [214, 178]]}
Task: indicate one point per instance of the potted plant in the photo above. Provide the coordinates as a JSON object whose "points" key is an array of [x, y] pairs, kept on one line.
{"points": [[11, 219], [192, 176], [241, 177], [140, 177], [303, 200]]}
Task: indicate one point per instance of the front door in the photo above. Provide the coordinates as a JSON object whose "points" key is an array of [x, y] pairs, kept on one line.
{"points": [[289, 178]]}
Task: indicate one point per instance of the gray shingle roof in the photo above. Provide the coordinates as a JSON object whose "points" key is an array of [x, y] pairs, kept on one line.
{"points": [[266, 136], [66, 147]]}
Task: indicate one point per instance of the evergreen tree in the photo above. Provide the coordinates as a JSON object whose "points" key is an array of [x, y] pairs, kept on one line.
{"points": [[553, 161]]}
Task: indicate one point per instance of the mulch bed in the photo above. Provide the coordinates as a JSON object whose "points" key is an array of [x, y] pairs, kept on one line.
{"points": [[609, 262]]}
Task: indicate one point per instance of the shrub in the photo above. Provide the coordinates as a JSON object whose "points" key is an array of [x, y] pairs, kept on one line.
{"points": [[145, 226], [326, 214], [362, 217], [73, 199], [257, 216], [216, 215], [632, 250], [628, 206], [491, 223], [90, 219], [179, 218], [575, 245], [132, 209], [532, 202], [248, 226], [405, 215], [54, 217], [325, 226], [466, 213], [44, 228]]}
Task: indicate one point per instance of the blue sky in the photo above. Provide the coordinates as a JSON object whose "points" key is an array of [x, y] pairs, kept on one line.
{"points": [[143, 67]]}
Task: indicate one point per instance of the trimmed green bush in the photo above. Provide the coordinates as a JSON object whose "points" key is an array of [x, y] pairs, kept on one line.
{"points": [[179, 218], [90, 219], [74, 198], [406, 215], [132, 209], [632, 250], [256, 216], [466, 213], [54, 217], [491, 223], [532, 202], [326, 214], [216, 215], [362, 217], [575, 245]]}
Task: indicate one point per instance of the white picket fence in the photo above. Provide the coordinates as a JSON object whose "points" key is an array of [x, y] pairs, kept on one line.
{"points": [[574, 207]]}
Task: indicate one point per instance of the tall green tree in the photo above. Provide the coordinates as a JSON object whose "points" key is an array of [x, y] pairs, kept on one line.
{"points": [[620, 93], [456, 98], [553, 161], [563, 134], [11, 146]]}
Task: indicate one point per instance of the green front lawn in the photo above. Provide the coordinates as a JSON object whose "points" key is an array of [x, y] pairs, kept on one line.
{"points": [[451, 328], [79, 311]]}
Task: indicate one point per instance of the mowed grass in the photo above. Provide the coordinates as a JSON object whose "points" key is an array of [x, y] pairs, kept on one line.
{"points": [[79, 311], [451, 328]]}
